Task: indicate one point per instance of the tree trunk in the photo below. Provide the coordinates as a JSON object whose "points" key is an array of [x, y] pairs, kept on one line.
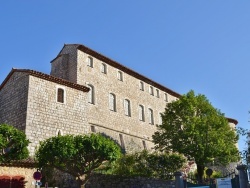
{"points": [[82, 182], [200, 173]]}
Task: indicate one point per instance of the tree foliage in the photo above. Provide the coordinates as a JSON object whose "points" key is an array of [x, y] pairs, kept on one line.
{"points": [[144, 164], [13, 144], [193, 127], [77, 155]]}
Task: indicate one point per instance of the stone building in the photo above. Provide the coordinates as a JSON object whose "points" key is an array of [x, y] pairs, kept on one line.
{"points": [[85, 92]]}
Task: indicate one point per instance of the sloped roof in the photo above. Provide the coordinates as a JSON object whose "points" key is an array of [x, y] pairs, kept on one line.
{"points": [[46, 77], [122, 68]]}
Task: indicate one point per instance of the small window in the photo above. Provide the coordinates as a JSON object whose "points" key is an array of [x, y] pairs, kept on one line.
{"points": [[151, 116], [141, 113], [122, 141], [157, 93], [60, 95], [160, 119], [59, 132], [112, 102], [91, 94], [120, 76], [151, 90], [127, 107], [166, 97], [90, 62], [104, 68], [93, 130], [144, 145], [141, 86]]}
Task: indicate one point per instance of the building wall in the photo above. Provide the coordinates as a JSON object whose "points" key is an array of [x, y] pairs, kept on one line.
{"points": [[13, 100], [11, 172], [46, 117], [116, 123]]}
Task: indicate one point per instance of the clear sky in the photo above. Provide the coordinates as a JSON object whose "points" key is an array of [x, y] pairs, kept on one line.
{"points": [[182, 44]]}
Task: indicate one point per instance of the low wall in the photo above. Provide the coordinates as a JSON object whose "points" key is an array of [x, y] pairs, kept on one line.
{"points": [[12, 172], [112, 181]]}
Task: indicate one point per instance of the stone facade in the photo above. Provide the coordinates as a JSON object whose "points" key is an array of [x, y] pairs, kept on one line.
{"points": [[86, 92], [102, 75], [29, 102], [12, 172]]}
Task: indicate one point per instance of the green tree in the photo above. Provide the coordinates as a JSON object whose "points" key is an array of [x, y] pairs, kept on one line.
{"points": [[144, 164], [13, 144], [193, 127], [77, 155]]}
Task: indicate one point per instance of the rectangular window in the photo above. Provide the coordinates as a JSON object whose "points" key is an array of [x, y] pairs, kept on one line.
{"points": [[144, 145], [104, 68], [151, 90], [127, 107], [122, 141], [166, 97], [93, 129], [60, 95], [141, 113], [90, 62], [120, 76], [141, 86], [112, 102], [151, 116], [157, 93]]}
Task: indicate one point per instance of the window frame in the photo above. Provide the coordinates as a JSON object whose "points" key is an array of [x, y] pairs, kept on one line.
{"points": [[91, 94], [157, 93], [120, 75], [104, 68], [166, 97], [151, 90], [63, 99], [141, 85], [151, 116], [90, 61], [112, 102], [127, 107], [141, 113]]}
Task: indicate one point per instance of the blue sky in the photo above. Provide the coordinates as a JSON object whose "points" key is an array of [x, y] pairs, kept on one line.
{"points": [[182, 44]]}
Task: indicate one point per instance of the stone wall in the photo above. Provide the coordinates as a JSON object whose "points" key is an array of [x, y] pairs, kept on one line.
{"points": [[13, 100], [46, 117], [19, 171], [116, 123], [111, 181]]}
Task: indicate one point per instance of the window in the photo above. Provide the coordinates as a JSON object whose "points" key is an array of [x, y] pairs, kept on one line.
{"points": [[120, 76], [112, 102], [151, 90], [104, 68], [144, 145], [151, 116], [60, 95], [93, 130], [141, 86], [141, 113], [59, 132], [90, 61], [91, 94], [122, 141], [127, 107], [157, 93], [166, 97], [160, 119]]}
